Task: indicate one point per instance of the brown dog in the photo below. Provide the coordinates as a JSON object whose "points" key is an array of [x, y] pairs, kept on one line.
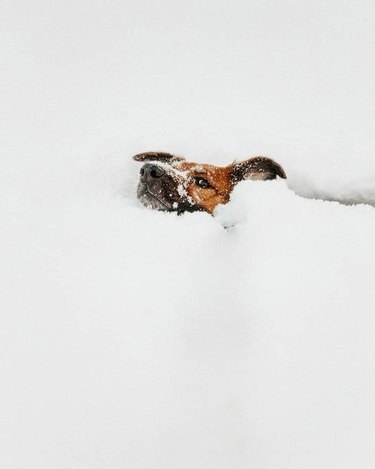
{"points": [[170, 183]]}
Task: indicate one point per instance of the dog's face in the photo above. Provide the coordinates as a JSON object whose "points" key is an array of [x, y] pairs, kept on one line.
{"points": [[170, 183]]}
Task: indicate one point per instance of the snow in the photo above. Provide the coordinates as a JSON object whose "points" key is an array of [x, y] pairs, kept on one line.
{"points": [[138, 339]]}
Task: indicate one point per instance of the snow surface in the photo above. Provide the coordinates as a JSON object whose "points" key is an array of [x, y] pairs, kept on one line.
{"points": [[137, 339]]}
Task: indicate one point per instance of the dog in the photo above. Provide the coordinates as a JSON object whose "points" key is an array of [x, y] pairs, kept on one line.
{"points": [[172, 184]]}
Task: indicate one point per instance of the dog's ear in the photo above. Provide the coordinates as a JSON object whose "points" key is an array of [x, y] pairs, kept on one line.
{"points": [[259, 168], [157, 156]]}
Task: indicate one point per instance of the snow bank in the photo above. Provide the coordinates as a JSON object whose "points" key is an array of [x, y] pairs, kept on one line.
{"points": [[142, 339]]}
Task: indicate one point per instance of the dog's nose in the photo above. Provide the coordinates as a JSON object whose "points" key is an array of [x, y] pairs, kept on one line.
{"points": [[152, 171]]}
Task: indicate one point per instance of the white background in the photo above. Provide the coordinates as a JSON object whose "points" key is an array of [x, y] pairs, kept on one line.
{"points": [[134, 339]]}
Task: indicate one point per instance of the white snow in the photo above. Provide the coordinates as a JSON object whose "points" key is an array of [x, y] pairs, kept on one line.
{"points": [[137, 339]]}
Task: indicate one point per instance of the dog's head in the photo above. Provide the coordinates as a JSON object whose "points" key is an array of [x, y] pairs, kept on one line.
{"points": [[170, 183]]}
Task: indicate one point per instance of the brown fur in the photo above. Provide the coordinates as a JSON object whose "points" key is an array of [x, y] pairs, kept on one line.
{"points": [[171, 183]]}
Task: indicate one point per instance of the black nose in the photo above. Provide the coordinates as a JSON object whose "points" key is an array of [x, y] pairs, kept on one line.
{"points": [[152, 171]]}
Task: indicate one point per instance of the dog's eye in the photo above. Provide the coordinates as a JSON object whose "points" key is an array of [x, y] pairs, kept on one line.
{"points": [[142, 171], [201, 182]]}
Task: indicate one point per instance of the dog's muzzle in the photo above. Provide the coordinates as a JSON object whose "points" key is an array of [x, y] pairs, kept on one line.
{"points": [[152, 187], [161, 188]]}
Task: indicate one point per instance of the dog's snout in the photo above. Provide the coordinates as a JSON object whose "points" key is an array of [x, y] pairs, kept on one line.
{"points": [[152, 171]]}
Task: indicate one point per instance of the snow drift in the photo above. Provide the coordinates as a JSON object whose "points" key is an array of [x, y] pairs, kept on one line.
{"points": [[134, 338]]}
